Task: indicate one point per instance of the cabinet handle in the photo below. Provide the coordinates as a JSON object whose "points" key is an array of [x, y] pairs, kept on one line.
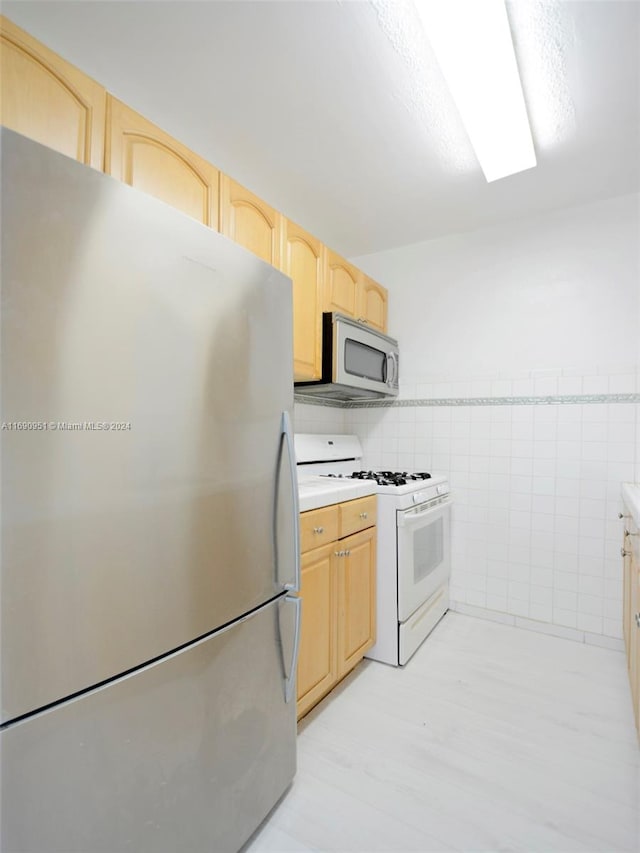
{"points": [[624, 553], [347, 553], [637, 618], [318, 529], [364, 515], [339, 553]]}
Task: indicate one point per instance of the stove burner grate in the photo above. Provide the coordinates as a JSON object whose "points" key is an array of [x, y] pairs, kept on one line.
{"points": [[388, 478]]}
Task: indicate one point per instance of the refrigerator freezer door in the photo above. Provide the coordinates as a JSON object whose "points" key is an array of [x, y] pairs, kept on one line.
{"points": [[188, 754], [146, 365]]}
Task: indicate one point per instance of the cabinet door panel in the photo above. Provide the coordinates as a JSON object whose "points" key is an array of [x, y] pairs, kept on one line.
{"points": [[373, 304], [636, 630], [342, 283], [143, 156], [317, 657], [626, 599], [634, 636], [249, 221], [356, 598], [48, 100], [302, 261]]}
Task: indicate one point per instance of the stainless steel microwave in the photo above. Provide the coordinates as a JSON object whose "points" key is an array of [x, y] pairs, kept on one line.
{"points": [[358, 363]]}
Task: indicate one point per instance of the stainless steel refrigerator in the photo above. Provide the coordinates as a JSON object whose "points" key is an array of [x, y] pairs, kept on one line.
{"points": [[149, 521]]}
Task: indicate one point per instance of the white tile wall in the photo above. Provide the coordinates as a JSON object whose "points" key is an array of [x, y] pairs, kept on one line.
{"points": [[536, 533], [318, 419]]}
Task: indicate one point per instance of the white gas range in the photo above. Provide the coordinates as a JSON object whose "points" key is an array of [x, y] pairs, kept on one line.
{"points": [[414, 552]]}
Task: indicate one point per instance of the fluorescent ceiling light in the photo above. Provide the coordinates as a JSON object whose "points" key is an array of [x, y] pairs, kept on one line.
{"points": [[472, 43]]}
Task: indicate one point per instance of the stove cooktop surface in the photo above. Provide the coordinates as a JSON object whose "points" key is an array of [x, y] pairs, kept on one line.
{"points": [[385, 478]]}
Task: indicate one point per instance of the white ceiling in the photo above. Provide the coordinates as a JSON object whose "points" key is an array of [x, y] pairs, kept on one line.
{"points": [[335, 112]]}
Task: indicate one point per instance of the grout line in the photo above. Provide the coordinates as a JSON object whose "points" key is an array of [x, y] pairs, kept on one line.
{"points": [[561, 631]]}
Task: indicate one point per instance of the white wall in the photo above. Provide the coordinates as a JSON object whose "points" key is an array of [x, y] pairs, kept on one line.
{"points": [[559, 291], [545, 306]]}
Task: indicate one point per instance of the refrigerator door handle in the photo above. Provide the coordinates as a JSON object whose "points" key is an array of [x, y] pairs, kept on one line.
{"points": [[287, 432], [290, 680]]}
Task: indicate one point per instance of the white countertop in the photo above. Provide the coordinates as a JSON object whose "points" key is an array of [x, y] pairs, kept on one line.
{"points": [[316, 492], [631, 498]]}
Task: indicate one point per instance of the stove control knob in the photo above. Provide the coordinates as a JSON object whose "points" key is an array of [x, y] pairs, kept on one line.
{"points": [[441, 490], [418, 497]]}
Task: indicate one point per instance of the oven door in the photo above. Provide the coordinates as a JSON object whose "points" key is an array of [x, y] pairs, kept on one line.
{"points": [[424, 553]]}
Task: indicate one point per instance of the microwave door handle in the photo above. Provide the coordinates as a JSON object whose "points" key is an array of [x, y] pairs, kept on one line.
{"points": [[391, 359], [385, 369]]}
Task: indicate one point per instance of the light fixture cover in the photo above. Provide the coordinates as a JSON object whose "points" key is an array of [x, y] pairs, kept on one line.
{"points": [[472, 43]]}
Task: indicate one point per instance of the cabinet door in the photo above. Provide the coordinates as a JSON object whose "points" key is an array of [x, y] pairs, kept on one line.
{"points": [[373, 304], [634, 637], [342, 285], [47, 99], [248, 220], [356, 598], [302, 261], [626, 597], [145, 157], [317, 657]]}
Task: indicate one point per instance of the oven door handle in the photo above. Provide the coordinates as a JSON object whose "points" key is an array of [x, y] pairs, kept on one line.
{"points": [[411, 519]]}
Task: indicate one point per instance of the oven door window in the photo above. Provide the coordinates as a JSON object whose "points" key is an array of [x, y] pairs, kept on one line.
{"points": [[428, 550], [424, 562], [363, 360]]}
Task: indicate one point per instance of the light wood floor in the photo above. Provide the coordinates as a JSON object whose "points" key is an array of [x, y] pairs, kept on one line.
{"points": [[492, 738]]}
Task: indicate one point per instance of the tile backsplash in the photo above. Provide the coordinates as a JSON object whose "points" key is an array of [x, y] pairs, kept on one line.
{"points": [[535, 530], [318, 419]]}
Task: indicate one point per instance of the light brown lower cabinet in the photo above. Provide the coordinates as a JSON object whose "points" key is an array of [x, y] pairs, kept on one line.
{"points": [[631, 612], [338, 598]]}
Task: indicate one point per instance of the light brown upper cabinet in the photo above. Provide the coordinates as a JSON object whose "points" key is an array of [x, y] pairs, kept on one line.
{"points": [[145, 157], [302, 260], [249, 221], [349, 291], [47, 99], [342, 285], [373, 304]]}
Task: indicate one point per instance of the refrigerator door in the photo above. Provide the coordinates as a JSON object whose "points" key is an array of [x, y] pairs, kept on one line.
{"points": [[189, 753], [146, 482]]}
